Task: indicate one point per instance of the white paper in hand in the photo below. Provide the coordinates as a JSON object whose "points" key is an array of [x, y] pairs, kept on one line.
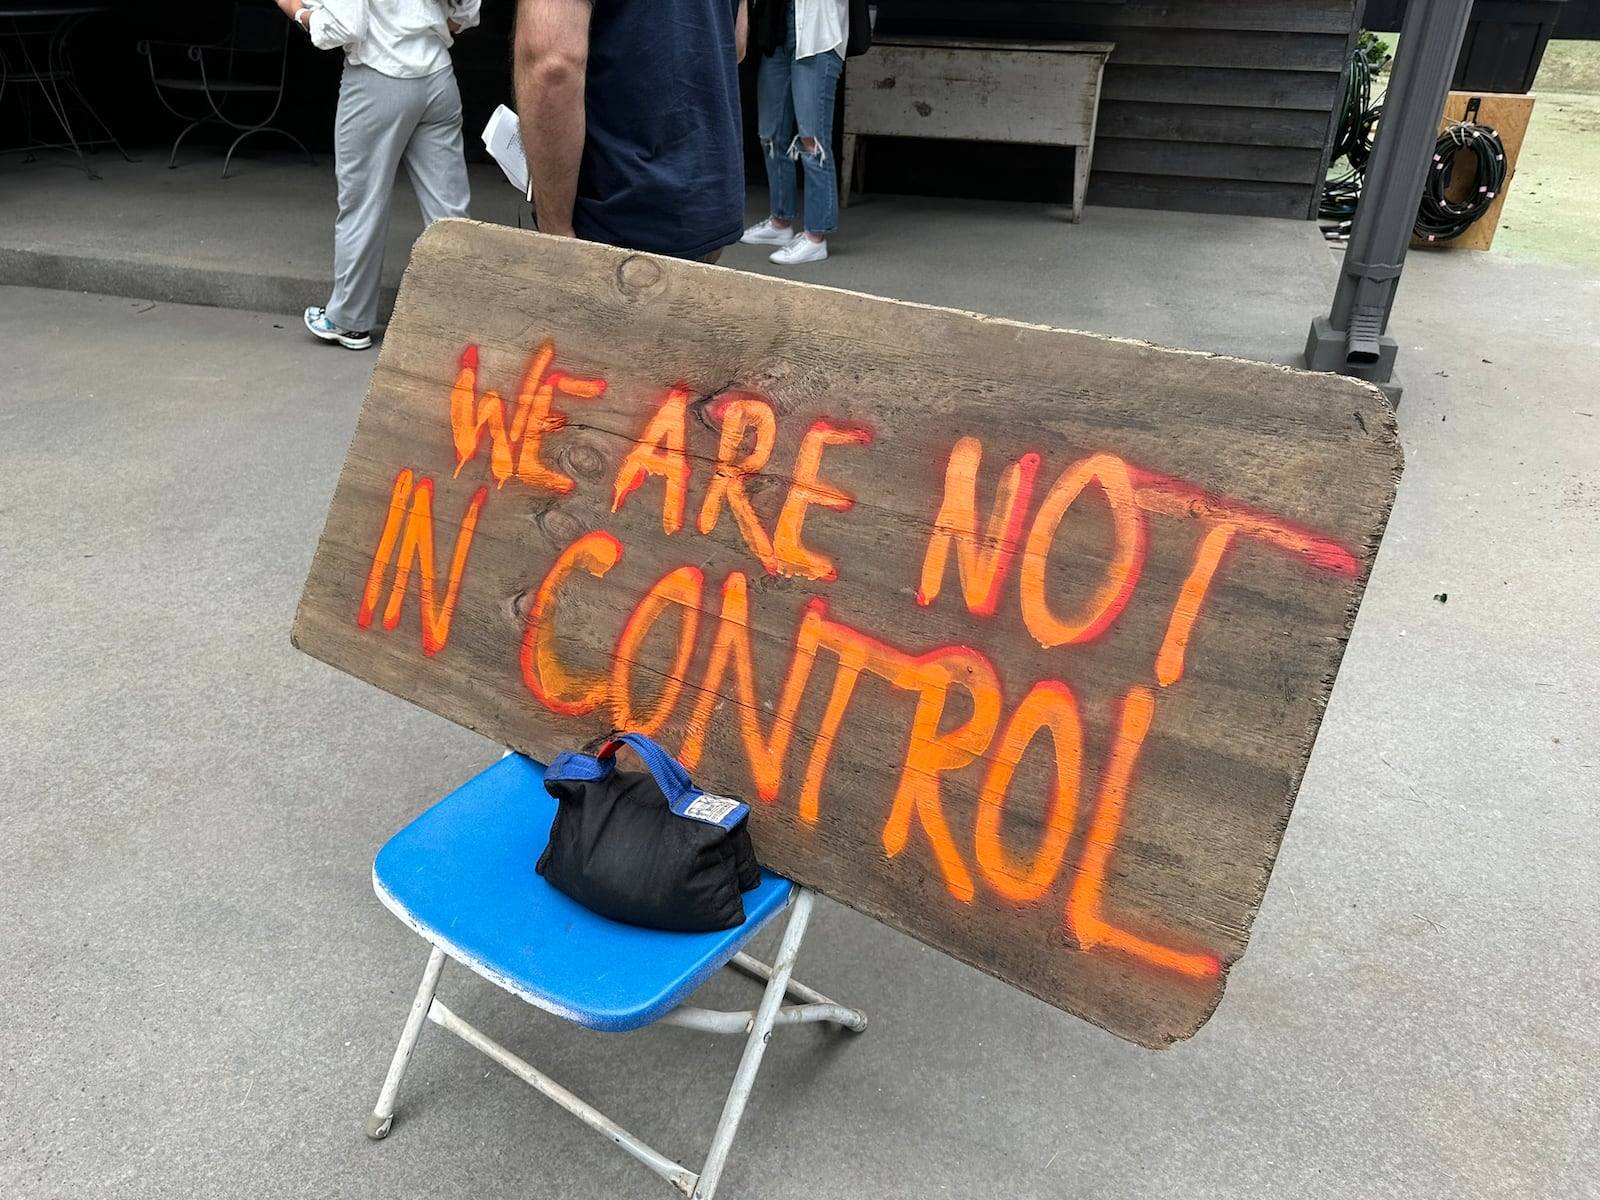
{"points": [[502, 138]]}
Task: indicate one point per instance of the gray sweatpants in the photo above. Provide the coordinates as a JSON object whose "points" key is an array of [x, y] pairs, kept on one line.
{"points": [[382, 121]]}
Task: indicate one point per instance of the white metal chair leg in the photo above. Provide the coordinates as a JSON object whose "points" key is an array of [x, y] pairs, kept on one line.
{"points": [[856, 1020], [383, 1113], [756, 1046], [758, 1026]]}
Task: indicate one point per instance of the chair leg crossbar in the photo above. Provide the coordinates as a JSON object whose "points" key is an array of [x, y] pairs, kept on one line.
{"points": [[757, 1025]]}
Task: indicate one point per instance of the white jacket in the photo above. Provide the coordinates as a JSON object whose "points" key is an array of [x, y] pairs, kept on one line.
{"points": [[820, 26], [405, 39]]}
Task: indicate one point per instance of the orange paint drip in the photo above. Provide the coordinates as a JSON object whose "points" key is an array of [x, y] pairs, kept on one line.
{"points": [[683, 588], [515, 443], [982, 567], [551, 684], [731, 648], [932, 753], [929, 753], [727, 483], [660, 451], [794, 557], [386, 543], [1173, 497], [1086, 920], [853, 659], [532, 381], [1048, 706], [416, 546], [1122, 573], [1169, 661], [470, 416]]}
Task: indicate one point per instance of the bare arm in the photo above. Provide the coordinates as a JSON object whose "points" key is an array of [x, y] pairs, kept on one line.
{"points": [[741, 31], [552, 57]]}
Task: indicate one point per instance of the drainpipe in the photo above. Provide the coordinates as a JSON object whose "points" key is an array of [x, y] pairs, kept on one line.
{"points": [[1352, 339]]}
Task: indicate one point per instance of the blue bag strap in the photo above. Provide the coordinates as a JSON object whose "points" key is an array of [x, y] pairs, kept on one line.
{"points": [[669, 774], [569, 764], [683, 797]]}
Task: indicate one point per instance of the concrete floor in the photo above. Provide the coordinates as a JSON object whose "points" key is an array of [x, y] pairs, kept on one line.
{"points": [[1551, 209], [203, 993], [262, 240]]}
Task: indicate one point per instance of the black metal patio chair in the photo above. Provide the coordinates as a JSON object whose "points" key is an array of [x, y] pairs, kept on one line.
{"points": [[240, 80]]}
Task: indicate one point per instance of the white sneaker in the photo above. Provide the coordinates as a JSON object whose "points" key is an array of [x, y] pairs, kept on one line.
{"points": [[801, 250], [765, 233]]}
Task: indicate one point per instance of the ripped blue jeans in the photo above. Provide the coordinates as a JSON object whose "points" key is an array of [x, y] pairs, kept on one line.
{"points": [[794, 92]]}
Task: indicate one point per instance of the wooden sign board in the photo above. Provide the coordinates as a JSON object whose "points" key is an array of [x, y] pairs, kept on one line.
{"points": [[1015, 639]]}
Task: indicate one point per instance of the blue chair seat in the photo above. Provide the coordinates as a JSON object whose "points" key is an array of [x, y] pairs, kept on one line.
{"points": [[462, 875]]}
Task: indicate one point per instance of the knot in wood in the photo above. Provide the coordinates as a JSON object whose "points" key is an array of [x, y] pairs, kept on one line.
{"points": [[639, 277], [560, 526], [584, 461]]}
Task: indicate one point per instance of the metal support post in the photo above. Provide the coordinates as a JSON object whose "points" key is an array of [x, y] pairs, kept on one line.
{"points": [[1353, 338]]}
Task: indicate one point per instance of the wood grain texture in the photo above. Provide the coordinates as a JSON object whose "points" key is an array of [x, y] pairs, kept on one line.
{"points": [[1042, 95], [1184, 193], [977, 92], [1220, 86], [1130, 156], [1118, 873], [1285, 16], [1183, 75], [1207, 125]]}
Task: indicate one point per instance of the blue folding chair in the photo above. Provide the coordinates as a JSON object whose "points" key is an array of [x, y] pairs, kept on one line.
{"points": [[462, 875]]}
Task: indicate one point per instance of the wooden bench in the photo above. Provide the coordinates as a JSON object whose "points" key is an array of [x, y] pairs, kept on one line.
{"points": [[1036, 93]]}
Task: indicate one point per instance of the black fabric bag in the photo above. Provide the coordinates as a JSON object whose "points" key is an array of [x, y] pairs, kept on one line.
{"points": [[647, 847], [769, 26]]}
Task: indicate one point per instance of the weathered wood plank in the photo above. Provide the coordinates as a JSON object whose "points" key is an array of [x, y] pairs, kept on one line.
{"points": [[1182, 193], [1281, 164], [1266, 54], [1177, 47], [1066, 756], [1223, 86], [1209, 124], [1280, 16], [938, 90]]}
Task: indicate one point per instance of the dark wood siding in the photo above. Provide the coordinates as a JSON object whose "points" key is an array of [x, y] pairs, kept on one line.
{"points": [[1208, 105]]}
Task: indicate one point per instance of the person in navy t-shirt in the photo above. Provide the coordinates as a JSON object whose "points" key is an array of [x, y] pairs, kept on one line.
{"points": [[630, 120]]}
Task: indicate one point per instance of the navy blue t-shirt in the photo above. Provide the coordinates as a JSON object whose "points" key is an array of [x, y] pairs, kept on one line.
{"points": [[662, 158]]}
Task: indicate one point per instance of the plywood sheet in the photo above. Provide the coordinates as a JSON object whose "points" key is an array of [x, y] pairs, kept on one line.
{"points": [[1508, 115]]}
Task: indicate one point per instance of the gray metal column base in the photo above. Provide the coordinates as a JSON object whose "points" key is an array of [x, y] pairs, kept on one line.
{"points": [[1390, 388], [1327, 350], [1350, 339]]}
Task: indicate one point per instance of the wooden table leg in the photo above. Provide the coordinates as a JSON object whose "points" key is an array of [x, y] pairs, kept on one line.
{"points": [[848, 169], [1080, 183]]}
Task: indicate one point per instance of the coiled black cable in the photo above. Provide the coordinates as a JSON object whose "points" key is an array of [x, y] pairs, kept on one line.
{"points": [[1352, 143], [1440, 219]]}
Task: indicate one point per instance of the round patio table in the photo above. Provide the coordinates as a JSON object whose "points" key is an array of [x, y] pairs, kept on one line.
{"points": [[34, 52]]}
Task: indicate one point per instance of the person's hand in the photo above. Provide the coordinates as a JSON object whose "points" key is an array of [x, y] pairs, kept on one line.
{"points": [[290, 7]]}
